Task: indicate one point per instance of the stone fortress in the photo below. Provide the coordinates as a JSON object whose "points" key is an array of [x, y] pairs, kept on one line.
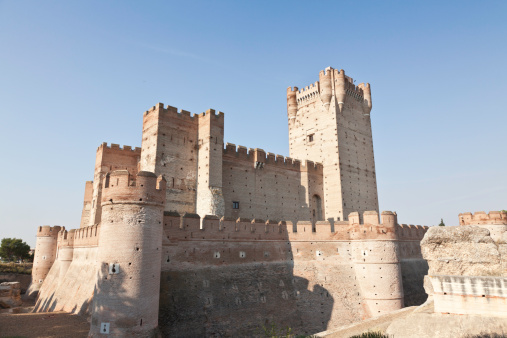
{"points": [[189, 237]]}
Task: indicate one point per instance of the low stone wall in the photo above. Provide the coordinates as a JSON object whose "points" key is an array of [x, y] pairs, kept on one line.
{"points": [[23, 279]]}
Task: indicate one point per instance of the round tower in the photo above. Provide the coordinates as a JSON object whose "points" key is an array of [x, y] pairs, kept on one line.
{"points": [[292, 105], [326, 91], [65, 251], [378, 268], [45, 255], [126, 298]]}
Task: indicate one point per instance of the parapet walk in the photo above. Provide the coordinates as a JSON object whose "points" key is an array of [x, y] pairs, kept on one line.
{"points": [[190, 226], [480, 217]]}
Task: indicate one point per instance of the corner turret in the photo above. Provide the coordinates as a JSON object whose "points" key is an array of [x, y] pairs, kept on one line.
{"points": [[126, 298], [45, 255], [367, 97], [326, 91], [292, 105]]}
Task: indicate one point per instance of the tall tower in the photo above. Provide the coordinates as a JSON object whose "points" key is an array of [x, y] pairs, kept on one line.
{"points": [[126, 297], [329, 122]]}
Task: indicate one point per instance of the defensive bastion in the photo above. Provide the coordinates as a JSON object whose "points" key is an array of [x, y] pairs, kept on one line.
{"points": [[193, 236]]}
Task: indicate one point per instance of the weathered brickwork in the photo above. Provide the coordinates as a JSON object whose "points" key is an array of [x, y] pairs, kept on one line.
{"points": [[272, 186], [196, 237]]}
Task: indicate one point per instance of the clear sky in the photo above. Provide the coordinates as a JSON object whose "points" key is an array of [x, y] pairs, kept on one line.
{"points": [[74, 74]]}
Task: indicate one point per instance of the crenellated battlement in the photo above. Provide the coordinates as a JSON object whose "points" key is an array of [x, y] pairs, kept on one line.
{"points": [[49, 231], [87, 236], [66, 238], [308, 92], [332, 82], [481, 217], [82, 237], [145, 187], [260, 156], [190, 227], [117, 147], [411, 232], [170, 111]]}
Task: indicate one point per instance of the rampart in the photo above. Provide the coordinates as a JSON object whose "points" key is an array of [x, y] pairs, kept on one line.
{"points": [[189, 226], [245, 269]]}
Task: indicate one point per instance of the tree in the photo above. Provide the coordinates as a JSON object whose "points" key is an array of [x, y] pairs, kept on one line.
{"points": [[442, 224], [14, 249]]}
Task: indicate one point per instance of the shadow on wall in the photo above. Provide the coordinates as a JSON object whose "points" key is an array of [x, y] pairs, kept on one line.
{"points": [[51, 304], [235, 287]]}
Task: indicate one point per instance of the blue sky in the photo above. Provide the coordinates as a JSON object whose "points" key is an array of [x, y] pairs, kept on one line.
{"points": [[74, 74]]}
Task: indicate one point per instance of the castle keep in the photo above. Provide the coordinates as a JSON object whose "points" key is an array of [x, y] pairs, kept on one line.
{"points": [[197, 237]]}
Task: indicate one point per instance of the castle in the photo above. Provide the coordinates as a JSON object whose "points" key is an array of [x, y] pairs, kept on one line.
{"points": [[191, 237]]}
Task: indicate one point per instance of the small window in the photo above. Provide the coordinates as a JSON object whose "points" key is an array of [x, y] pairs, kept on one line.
{"points": [[310, 138], [235, 205]]}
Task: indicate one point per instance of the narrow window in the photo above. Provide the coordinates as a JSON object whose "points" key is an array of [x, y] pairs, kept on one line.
{"points": [[235, 205], [310, 138]]}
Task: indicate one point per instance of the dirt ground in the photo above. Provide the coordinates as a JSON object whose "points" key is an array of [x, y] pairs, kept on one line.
{"points": [[49, 324]]}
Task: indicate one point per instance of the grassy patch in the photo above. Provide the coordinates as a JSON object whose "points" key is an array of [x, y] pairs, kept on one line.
{"points": [[21, 268]]}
